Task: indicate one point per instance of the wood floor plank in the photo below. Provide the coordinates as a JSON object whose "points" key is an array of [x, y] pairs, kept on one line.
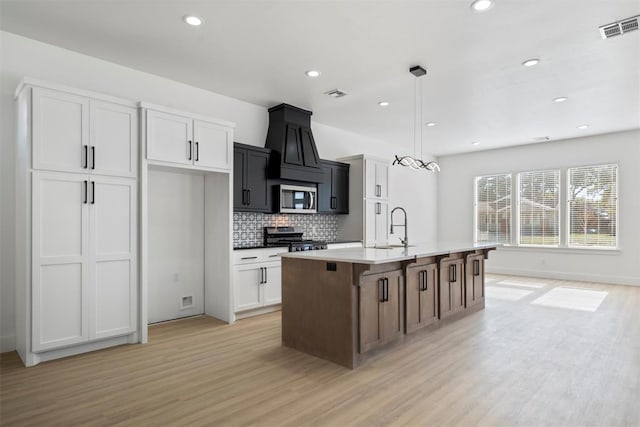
{"points": [[514, 363]]}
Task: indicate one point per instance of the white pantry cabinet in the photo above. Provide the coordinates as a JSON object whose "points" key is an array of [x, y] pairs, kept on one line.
{"points": [[76, 206], [74, 133], [368, 218], [182, 139], [258, 278]]}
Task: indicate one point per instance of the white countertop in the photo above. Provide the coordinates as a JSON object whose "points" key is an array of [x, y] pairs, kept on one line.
{"points": [[381, 256]]}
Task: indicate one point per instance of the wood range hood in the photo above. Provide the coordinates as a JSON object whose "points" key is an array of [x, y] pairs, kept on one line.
{"points": [[294, 156]]}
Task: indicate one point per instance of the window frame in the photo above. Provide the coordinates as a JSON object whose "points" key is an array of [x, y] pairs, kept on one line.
{"points": [[518, 219], [475, 206], [568, 244]]}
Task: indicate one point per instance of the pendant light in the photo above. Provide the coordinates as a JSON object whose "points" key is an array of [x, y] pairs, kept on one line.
{"points": [[414, 162]]}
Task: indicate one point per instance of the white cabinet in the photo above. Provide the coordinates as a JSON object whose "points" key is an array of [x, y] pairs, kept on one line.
{"points": [[376, 178], [84, 266], [368, 218], [76, 272], [258, 278], [181, 139], [74, 133]]}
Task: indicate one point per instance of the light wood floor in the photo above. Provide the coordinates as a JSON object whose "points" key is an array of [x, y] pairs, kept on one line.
{"points": [[514, 363]]}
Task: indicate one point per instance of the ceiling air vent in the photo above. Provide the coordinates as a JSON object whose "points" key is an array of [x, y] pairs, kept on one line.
{"points": [[620, 27], [336, 93]]}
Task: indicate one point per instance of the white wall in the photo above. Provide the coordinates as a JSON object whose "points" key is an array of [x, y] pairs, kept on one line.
{"points": [[455, 206], [20, 57]]}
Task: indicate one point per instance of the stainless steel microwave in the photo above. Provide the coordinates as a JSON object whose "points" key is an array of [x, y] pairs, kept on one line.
{"points": [[297, 199]]}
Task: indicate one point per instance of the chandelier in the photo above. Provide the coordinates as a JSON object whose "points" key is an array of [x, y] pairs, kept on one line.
{"points": [[413, 161]]}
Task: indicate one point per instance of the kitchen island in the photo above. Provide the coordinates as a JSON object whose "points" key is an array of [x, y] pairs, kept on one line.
{"points": [[345, 305]]}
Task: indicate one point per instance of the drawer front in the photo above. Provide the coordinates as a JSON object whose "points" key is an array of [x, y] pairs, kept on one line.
{"points": [[250, 256]]}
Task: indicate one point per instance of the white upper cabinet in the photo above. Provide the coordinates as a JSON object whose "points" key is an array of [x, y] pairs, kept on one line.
{"points": [[185, 140], [376, 179], [114, 139], [213, 145], [75, 133], [169, 138], [60, 124]]}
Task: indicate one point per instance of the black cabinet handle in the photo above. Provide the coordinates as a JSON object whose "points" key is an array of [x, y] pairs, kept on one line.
{"points": [[248, 257], [93, 157], [386, 286], [248, 197], [93, 192], [190, 156], [266, 275], [244, 197], [423, 280], [452, 273], [476, 267], [86, 157], [334, 202], [381, 288], [86, 189], [197, 151]]}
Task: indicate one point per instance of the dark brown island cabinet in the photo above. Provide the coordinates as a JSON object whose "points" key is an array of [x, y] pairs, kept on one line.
{"points": [[251, 192], [346, 306], [333, 190]]}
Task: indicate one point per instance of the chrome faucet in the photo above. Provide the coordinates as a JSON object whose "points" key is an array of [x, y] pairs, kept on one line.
{"points": [[404, 241]]}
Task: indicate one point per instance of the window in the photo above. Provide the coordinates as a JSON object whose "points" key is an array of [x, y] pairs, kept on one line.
{"points": [[593, 206], [493, 208], [538, 208]]}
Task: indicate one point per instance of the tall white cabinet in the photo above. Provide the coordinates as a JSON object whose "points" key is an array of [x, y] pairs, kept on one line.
{"points": [[77, 222], [368, 218]]}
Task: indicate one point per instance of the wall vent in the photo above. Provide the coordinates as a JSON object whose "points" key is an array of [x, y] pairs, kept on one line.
{"points": [[620, 27], [186, 302], [336, 93]]}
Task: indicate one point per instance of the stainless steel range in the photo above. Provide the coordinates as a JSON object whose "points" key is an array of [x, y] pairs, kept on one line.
{"points": [[290, 237]]}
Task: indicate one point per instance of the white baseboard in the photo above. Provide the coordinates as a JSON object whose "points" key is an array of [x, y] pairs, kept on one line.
{"points": [[563, 275], [7, 343]]}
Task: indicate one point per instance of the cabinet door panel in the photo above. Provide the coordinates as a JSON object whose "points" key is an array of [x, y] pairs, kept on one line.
{"points": [[113, 256], [340, 189], [382, 224], [114, 312], [239, 178], [259, 196], [475, 280], [248, 288], [60, 257], [370, 295], [370, 178], [390, 313], [273, 287], [60, 130], [421, 300], [325, 192], [370, 230], [451, 287], [214, 144], [114, 138], [382, 179], [168, 138]]}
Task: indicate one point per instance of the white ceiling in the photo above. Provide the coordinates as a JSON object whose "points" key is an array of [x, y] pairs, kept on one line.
{"points": [[476, 88]]}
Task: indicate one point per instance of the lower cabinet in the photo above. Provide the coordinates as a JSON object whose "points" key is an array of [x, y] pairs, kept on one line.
{"points": [[381, 303], [474, 282], [421, 294], [257, 278], [452, 289]]}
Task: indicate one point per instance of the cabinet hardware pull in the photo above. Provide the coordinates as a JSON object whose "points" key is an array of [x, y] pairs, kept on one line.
{"points": [[266, 276], [86, 189], [248, 197], [386, 287], [86, 157], [244, 196], [93, 192], [197, 151], [248, 257], [334, 203], [273, 256], [476, 267], [378, 190], [452, 273], [378, 208], [381, 288], [93, 157], [190, 156]]}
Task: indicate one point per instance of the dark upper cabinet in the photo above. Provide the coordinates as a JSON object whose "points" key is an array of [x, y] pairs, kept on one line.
{"points": [[333, 191], [250, 183]]}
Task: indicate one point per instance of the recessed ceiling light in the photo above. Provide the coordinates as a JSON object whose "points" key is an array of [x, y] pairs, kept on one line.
{"points": [[475, 143], [383, 103], [531, 62], [482, 5], [193, 20], [582, 127], [431, 124], [560, 99], [313, 73]]}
